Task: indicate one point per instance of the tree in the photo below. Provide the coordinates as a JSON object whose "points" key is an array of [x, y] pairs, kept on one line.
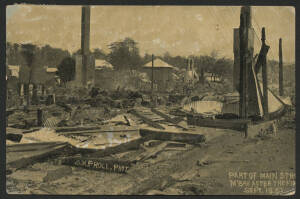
{"points": [[214, 54], [147, 58], [205, 63], [99, 54], [124, 54], [66, 70], [222, 67], [28, 52]]}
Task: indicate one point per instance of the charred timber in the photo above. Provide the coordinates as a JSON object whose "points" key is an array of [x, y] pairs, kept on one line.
{"points": [[172, 136]]}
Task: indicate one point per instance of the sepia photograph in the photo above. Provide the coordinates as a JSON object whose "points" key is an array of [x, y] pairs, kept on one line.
{"points": [[150, 100]]}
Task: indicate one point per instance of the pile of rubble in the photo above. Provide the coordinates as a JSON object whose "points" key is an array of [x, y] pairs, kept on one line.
{"points": [[95, 126]]}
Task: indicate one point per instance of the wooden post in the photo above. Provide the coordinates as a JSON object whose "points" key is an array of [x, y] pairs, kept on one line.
{"points": [[245, 59], [34, 100], [202, 75], [26, 93], [152, 74], [280, 69], [39, 117], [265, 77], [43, 90], [236, 65]]}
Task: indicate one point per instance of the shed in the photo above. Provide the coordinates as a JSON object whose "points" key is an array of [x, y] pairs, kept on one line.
{"points": [[101, 64], [162, 74]]}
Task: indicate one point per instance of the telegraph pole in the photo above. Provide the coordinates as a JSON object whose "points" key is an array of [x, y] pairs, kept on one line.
{"points": [[246, 55], [265, 77], [152, 74], [280, 69]]}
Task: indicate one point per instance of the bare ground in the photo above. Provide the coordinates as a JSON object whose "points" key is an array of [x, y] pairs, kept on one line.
{"points": [[199, 170]]}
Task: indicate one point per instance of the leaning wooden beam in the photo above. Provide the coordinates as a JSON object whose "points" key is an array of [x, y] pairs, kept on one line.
{"points": [[173, 136], [263, 51], [146, 120], [259, 93], [265, 78], [282, 102]]}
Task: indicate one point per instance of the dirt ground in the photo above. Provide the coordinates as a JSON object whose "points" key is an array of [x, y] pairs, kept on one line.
{"points": [[226, 164]]}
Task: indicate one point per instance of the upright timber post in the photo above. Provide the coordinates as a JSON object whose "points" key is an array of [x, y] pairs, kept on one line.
{"points": [[265, 77], [246, 55], [236, 65], [153, 98], [152, 75], [280, 69], [85, 41], [39, 117]]}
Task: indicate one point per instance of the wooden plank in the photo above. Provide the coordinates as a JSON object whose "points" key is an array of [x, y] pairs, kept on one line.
{"points": [[164, 116], [234, 124], [76, 128], [146, 120], [22, 155], [33, 146], [132, 145], [21, 159], [167, 118], [16, 137], [151, 152], [109, 165], [100, 131], [172, 136], [31, 130]]}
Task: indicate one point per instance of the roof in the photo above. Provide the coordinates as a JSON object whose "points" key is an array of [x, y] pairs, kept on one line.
{"points": [[51, 70], [101, 63], [158, 63], [14, 67]]}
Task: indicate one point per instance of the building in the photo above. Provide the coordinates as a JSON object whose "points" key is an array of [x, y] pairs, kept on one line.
{"points": [[162, 74], [212, 77], [105, 75], [13, 70], [102, 64], [191, 75], [51, 70]]}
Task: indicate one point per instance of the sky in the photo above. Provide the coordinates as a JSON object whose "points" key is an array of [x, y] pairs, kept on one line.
{"points": [[179, 30]]}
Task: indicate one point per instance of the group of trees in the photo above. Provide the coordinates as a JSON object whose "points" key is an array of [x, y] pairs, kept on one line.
{"points": [[46, 55], [203, 63], [123, 55]]}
